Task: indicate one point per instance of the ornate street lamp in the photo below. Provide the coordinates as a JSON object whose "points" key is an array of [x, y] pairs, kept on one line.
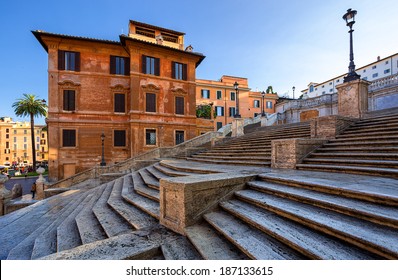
{"points": [[103, 163], [262, 109], [236, 86], [293, 88], [349, 17]]}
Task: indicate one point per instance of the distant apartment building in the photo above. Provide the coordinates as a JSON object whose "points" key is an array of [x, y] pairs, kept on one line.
{"points": [[221, 94], [381, 68], [16, 144], [139, 91]]}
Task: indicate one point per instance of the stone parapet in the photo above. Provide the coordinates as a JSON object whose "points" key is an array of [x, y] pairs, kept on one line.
{"points": [[184, 200], [329, 127], [353, 98], [287, 153]]}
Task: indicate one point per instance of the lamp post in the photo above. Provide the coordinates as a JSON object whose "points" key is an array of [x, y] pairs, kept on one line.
{"points": [[262, 109], [293, 88], [103, 163], [236, 86], [349, 17]]}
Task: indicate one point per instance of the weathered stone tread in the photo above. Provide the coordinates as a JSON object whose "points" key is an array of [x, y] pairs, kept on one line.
{"points": [[156, 173], [149, 180], [139, 186], [90, 229], [180, 249], [309, 242], [112, 223], [378, 239], [134, 216], [46, 242], [211, 245], [385, 215], [250, 241]]}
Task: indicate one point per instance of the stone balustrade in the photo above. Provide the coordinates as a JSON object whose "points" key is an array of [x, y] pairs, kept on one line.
{"points": [[382, 83]]}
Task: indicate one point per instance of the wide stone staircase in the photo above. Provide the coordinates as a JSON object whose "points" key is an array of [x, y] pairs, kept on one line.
{"points": [[116, 220], [288, 216], [281, 214], [253, 148], [370, 146]]}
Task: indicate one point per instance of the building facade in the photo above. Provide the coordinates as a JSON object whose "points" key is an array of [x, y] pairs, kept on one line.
{"points": [[139, 92], [16, 144], [379, 69], [221, 95]]}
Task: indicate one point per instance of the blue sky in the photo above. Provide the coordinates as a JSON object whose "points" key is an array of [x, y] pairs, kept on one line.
{"points": [[271, 42]]}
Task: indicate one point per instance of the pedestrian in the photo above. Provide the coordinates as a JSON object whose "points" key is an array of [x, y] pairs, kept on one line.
{"points": [[33, 190]]}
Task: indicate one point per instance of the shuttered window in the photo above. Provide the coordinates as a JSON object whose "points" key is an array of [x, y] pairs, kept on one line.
{"points": [[68, 60], [120, 103], [68, 138], [120, 65], [119, 138], [150, 65], [69, 100], [180, 105], [151, 102], [179, 71]]}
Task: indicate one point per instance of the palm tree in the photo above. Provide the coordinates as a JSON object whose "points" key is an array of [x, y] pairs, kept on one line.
{"points": [[30, 106]]}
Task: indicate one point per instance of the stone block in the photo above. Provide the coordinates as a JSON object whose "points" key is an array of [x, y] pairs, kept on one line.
{"points": [[286, 153], [238, 127], [328, 127], [353, 98], [184, 200], [16, 191]]}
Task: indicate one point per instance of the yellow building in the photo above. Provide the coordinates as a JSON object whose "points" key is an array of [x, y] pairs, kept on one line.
{"points": [[221, 95], [16, 145]]}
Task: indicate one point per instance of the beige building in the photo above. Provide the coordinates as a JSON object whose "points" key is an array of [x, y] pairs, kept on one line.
{"points": [[16, 145], [222, 96]]}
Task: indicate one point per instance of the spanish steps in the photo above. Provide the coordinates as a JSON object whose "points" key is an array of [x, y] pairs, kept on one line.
{"points": [[253, 148], [370, 146], [278, 214]]}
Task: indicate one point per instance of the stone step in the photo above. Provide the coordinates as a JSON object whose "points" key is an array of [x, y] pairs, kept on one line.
{"points": [[237, 152], [90, 229], [23, 248], [352, 155], [380, 214], [148, 179], [186, 168], [171, 172], [141, 188], [365, 188], [68, 235], [365, 144], [366, 134], [390, 172], [247, 149], [46, 242], [251, 241], [122, 247], [211, 245], [156, 173], [112, 223], [366, 138], [386, 150], [380, 240], [310, 243], [378, 120], [264, 138], [145, 204], [236, 162], [353, 162], [180, 249], [380, 129], [134, 216], [232, 157]]}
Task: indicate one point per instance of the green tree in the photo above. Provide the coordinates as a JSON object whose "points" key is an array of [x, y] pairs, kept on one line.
{"points": [[30, 106]]}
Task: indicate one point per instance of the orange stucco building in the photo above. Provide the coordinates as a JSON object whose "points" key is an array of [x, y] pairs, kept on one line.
{"points": [[222, 96], [138, 91]]}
